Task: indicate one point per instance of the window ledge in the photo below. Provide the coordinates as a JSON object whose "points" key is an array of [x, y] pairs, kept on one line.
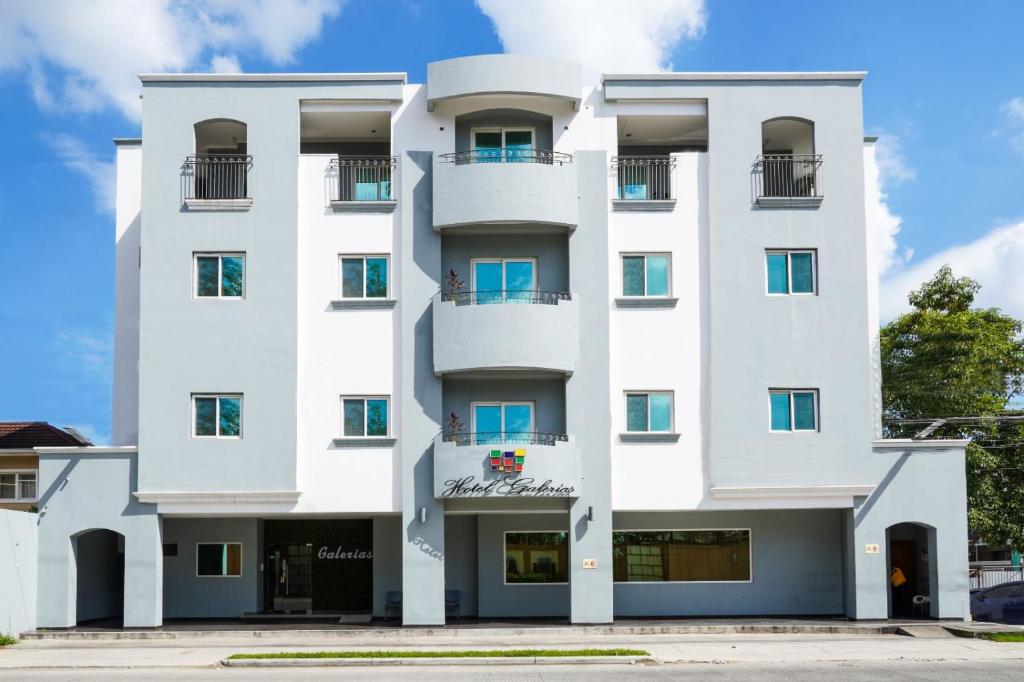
{"points": [[364, 206], [367, 442], [218, 204], [648, 437], [645, 302], [789, 202], [363, 303], [643, 205]]}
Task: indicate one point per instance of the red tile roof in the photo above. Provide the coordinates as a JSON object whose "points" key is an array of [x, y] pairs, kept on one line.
{"points": [[27, 435]]}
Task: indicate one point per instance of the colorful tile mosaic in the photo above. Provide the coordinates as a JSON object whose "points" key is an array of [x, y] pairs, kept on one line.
{"points": [[509, 461]]}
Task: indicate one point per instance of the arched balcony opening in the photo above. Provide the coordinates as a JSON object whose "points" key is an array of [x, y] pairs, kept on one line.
{"points": [[788, 168], [219, 168], [99, 568], [504, 136]]}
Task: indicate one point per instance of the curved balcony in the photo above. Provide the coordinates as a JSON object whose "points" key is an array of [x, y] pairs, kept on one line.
{"points": [[506, 465], [505, 186], [504, 74], [478, 331]]}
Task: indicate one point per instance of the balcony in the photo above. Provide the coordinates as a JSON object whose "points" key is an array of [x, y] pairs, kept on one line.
{"points": [[505, 330], [787, 180], [217, 181], [505, 185], [506, 465], [644, 183], [362, 183]]}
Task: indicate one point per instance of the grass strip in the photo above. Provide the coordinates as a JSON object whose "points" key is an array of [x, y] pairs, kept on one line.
{"points": [[492, 653], [7, 639], [1005, 636]]}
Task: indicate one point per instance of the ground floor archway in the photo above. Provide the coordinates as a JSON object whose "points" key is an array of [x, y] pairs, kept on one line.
{"points": [[99, 567], [912, 574]]}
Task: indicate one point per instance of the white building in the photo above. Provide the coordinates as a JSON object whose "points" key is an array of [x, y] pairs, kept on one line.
{"points": [[502, 345]]}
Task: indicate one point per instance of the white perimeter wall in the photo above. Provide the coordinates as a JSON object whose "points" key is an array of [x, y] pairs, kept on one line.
{"points": [[18, 551]]}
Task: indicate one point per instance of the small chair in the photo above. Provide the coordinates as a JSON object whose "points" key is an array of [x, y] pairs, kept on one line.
{"points": [[453, 602], [392, 603], [921, 606]]}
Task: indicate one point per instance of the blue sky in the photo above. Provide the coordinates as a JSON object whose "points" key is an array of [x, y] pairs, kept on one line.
{"points": [[945, 92]]}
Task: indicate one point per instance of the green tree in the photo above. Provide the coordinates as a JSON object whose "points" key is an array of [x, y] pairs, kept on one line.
{"points": [[947, 358]]}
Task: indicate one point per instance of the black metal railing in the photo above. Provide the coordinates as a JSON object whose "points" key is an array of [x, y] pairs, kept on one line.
{"points": [[217, 176], [363, 178], [507, 155], [507, 296], [644, 178], [505, 438], [788, 175]]}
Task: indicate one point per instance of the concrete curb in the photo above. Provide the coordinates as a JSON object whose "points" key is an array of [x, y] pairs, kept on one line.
{"points": [[495, 660], [470, 634]]}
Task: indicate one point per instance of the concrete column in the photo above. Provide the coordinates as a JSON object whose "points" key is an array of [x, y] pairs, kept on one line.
{"points": [[419, 396], [587, 398], [144, 573], [55, 598]]}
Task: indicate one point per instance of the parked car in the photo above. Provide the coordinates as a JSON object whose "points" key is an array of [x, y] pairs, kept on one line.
{"points": [[1001, 604]]}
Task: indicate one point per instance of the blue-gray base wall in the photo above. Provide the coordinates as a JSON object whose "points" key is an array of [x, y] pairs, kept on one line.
{"points": [[188, 596], [500, 600], [796, 566]]}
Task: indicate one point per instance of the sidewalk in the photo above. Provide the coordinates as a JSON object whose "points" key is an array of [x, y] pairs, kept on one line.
{"points": [[188, 651]]}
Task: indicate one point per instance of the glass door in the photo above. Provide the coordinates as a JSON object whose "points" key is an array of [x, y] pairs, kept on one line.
{"points": [[497, 280], [502, 422], [291, 570], [518, 145], [487, 146]]}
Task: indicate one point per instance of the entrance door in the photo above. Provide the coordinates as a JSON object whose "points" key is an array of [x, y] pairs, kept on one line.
{"points": [[903, 555], [322, 565]]}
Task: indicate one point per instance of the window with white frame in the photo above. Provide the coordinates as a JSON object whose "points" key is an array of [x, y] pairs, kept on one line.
{"points": [[219, 275], [649, 411], [793, 409], [502, 421], [497, 280], [364, 416], [218, 559], [216, 416], [497, 144], [18, 486], [646, 274], [364, 276], [791, 272]]}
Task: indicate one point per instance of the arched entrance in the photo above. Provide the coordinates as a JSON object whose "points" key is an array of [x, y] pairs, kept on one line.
{"points": [[912, 575], [99, 567]]}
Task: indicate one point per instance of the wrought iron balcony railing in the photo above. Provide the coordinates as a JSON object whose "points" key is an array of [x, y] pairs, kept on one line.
{"points": [[644, 178], [363, 178], [505, 438], [217, 176], [507, 155], [506, 296], [788, 176]]}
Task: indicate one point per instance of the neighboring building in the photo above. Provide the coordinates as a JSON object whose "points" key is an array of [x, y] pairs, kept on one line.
{"points": [[503, 344], [19, 466]]}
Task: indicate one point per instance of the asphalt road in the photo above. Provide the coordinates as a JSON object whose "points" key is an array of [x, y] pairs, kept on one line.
{"points": [[890, 671]]}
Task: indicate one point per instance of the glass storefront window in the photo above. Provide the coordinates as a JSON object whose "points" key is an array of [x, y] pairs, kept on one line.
{"points": [[536, 557], [681, 556]]}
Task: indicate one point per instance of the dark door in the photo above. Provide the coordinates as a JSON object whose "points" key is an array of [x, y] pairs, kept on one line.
{"points": [[903, 555], [331, 559]]}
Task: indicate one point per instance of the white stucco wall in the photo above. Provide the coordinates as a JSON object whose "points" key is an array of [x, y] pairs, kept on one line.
{"points": [[127, 227], [18, 551]]}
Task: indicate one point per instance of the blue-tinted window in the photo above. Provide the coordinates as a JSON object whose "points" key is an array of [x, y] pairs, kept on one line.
{"points": [[803, 411], [364, 277], [636, 412], [207, 276], [376, 417], [352, 277], [230, 416], [780, 420], [376, 277], [220, 276], [778, 274], [802, 266], [487, 423], [518, 419], [633, 276], [217, 415], [661, 411], [354, 416], [206, 416], [657, 275]]}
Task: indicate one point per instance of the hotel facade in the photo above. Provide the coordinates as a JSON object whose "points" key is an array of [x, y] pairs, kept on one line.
{"points": [[499, 345]]}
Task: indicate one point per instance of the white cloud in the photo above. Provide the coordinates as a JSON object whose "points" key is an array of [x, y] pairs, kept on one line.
{"points": [[1013, 111], [84, 56], [996, 260], [879, 164], [892, 165], [74, 154], [225, 63], [604, 35]]}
